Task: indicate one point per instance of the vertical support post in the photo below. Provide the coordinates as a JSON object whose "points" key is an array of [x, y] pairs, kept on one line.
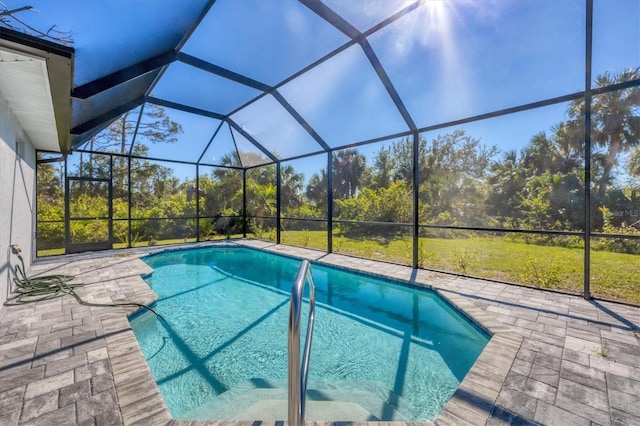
{"points": [[587, 151], [244, 203], [110, 208], [330, 202], [67, 208], [416, 193], [129, 200], [36, 235], [278, 206], [197, 202]]}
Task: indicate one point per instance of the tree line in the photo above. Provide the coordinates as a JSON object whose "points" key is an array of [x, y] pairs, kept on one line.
{"points": [[461, 181]]}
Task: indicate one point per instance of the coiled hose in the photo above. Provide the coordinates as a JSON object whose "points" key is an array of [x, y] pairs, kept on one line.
{"points": [[47, 287]]}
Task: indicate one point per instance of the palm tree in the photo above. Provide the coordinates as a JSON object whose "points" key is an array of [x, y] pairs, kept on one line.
{"points": [[615, 123], [506, 182], [224, 192], [291, 185], [348, 168], [316, 191]]}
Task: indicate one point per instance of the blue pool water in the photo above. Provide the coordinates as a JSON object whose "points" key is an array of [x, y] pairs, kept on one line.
{"points": [[395, 350]]}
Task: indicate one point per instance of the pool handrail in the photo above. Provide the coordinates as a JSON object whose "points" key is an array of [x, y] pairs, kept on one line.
{"points": [[297, 374]]}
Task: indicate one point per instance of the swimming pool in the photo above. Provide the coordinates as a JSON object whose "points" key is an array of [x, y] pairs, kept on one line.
{"points": [[384, 350]]}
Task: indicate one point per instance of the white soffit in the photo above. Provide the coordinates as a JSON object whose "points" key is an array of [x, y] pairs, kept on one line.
{"points": [[24, 85]]}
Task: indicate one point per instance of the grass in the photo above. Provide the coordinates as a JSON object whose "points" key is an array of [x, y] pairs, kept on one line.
{"points": [[602, 351], [613, 275]]}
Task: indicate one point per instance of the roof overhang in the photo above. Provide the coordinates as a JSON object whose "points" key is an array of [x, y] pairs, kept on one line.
{"points": [[36, 80]]}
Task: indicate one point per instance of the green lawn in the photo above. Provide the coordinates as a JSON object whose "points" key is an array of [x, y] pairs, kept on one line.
{"points": [[613, 275]]}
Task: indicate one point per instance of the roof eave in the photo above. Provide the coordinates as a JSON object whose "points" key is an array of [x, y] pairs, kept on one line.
{"points": [[59, 60]]}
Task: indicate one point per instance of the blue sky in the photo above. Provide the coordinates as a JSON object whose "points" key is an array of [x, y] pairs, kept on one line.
{"points": [[447, 60]]}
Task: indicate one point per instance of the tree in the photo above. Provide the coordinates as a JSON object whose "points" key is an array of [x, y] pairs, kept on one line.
{"points": [[615, 118], [543, 188], [506, 183], [222, 190], [633, 163], [402, 160], [155, 126], [452, 179], [49, 180], [9, 19], [291, 185], [50, 204], [395, 163], [348, 168], [316, 191], [382, 170], [261, 196]]}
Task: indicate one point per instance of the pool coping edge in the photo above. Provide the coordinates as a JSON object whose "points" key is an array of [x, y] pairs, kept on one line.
{"points": [[472, 403]]}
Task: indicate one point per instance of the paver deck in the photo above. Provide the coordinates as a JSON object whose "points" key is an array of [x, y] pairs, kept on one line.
{"points": [[554, 359]]}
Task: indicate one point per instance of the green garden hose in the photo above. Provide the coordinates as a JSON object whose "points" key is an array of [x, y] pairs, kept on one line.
{"points": [[47, 287]]}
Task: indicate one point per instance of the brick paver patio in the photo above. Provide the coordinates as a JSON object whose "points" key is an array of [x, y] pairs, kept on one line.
{"points": [[554, 359]]}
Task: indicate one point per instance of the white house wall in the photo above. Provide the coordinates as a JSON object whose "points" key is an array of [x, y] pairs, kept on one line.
{"points": [[17, 198]]}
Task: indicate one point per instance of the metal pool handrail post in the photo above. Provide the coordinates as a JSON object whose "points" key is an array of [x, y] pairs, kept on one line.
{"points": [[298, 375]]}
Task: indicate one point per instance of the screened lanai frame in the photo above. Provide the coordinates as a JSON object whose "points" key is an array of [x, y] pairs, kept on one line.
{"points": [[146, 74]]}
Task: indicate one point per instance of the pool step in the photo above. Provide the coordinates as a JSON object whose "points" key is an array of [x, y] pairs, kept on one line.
{"points": [[247, 402], [270, 407]]}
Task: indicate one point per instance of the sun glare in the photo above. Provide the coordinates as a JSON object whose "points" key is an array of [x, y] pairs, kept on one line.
{"points": [[435, 31], [434, 22]]}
